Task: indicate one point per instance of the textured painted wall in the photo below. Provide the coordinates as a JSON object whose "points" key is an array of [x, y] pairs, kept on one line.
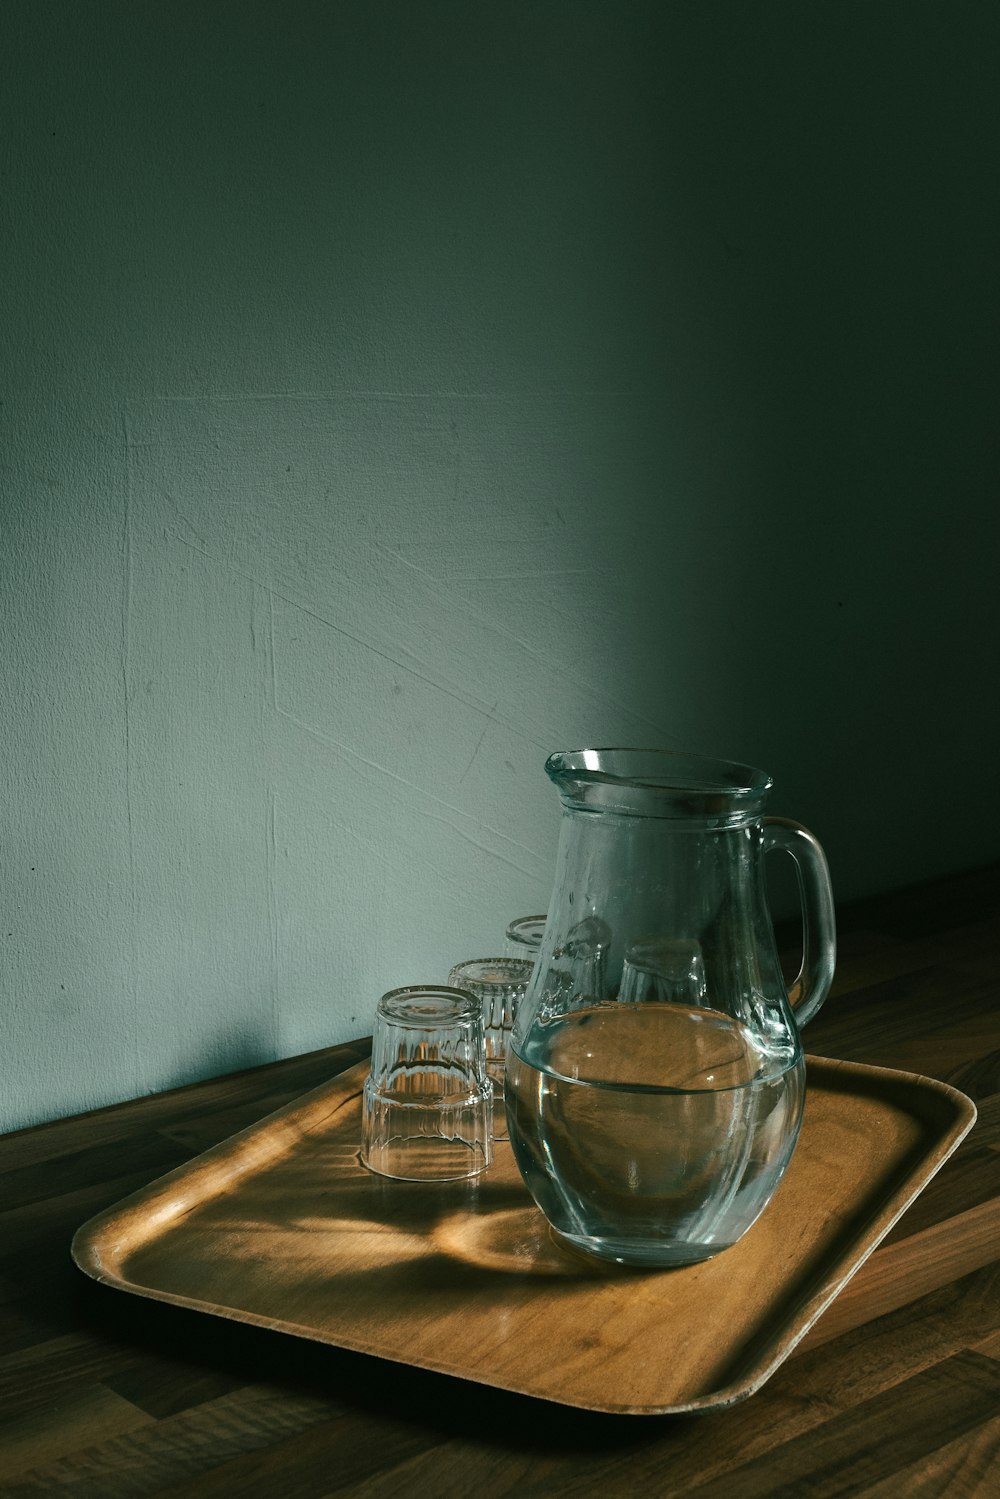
{"points": [[396, 392]]}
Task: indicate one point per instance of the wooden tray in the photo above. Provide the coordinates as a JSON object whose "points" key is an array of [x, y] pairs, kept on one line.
{"points": [[283, 1227]]}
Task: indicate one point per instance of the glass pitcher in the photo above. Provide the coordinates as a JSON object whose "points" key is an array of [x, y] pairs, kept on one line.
{"points": [[655, 1077]]}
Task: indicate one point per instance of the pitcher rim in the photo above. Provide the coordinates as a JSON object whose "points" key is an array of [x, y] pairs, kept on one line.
{"points": [[684, 773]]}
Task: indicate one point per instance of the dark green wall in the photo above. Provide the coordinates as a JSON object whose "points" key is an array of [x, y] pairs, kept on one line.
{"points": [[396, 392]]}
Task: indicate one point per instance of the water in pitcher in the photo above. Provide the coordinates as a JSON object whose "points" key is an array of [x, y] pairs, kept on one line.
{"points": [[652, 1134]]}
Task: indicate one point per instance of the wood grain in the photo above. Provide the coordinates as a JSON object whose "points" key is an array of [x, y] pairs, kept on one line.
{"points": [[894, 1393]]}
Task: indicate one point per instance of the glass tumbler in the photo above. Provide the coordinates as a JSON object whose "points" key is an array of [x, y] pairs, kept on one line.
{"points": [[666, 970], [428, 1101], [524, 937], [498, 984]]}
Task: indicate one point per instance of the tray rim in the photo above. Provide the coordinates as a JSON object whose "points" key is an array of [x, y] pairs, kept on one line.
{"points": [[97, 1245]]}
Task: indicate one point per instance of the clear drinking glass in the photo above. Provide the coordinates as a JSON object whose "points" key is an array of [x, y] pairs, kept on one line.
{"points": [[655, 1077], [498, 985], [428, 1102], [524, 937], [670, 969]]}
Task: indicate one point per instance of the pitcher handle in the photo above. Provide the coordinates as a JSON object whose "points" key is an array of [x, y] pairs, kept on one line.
{"points": [[811, 984]]}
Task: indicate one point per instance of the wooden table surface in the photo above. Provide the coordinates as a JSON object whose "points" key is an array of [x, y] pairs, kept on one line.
{"points": [[894, 1394]]}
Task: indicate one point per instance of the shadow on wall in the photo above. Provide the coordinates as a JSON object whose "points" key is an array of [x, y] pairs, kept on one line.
{"points": [[213, 1052], [401, 392]]}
